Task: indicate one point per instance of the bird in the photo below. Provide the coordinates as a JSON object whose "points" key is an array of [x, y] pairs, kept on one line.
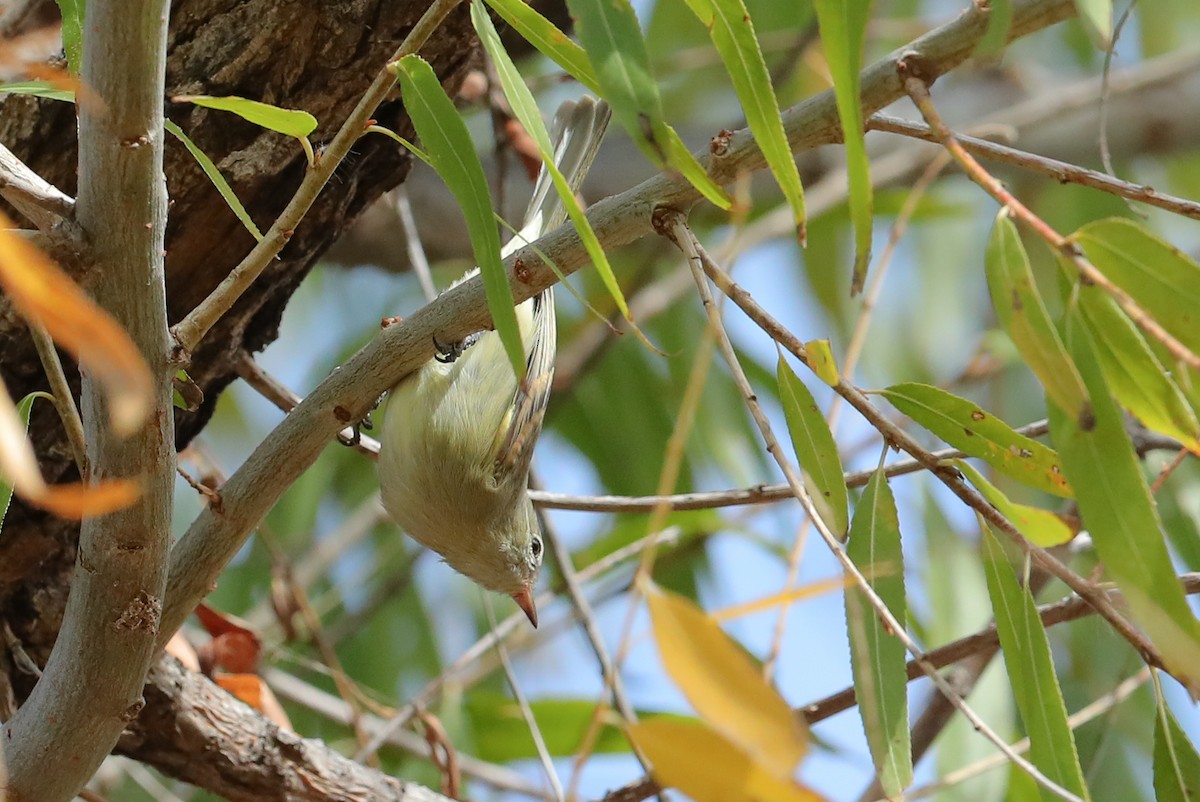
{"points": [[458, 433]]}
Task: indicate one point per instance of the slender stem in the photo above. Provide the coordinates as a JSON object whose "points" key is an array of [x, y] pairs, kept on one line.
{"points": [[918, 91], [1063, 172], [64, 399], [189, 331]]}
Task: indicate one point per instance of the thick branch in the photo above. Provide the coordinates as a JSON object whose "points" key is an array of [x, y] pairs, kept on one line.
{"points": [[348, 394], [92, 684], [249, 758]]}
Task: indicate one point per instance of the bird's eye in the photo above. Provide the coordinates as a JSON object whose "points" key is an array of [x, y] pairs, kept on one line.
{"points": [[536, 548]]}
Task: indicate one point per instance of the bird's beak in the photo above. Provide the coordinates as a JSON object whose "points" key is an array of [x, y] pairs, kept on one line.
{"points": [[524, 600]]}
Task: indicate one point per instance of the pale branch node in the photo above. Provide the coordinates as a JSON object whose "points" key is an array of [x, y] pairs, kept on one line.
{"points": [[1063, 172], [42, 203]]}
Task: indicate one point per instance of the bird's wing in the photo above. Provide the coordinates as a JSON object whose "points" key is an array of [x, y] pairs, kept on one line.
{"points": [[578, 129]]}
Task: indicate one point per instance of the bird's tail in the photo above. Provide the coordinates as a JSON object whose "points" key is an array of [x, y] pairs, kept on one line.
{"points": [[578, 128]]}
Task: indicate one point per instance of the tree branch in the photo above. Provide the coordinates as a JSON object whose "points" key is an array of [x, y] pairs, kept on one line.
{"points": [[42, 203], [348, 394], [247, 758], [91, 687]]}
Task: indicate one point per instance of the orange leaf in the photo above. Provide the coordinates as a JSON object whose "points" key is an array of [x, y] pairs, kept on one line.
{"points": [[42, 292], [253, 691], [724, 686], [708, 768], [19, 466]]}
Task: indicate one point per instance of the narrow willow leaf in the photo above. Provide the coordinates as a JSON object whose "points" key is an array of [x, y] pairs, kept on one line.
{"points": [[1138, 380], [214, 176], [24, 409], [1163, 280], [449, 145], [732, 32], [45, 89], [1097, 17], [1176, 763], [610, 34], [1023, 315], [1031, 671], [978, 433], [723, 686], [821, 360], [843, 25], [707, 767], [815, 449], [548, 39], [1040, 527], [72, 32], [290, 122], [1117, 510], [876, 654], [525, 107]]}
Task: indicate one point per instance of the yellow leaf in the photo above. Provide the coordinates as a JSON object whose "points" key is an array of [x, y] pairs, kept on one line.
{"points": [[724, 686], [43, 293], [822, 361], [708, 768]]}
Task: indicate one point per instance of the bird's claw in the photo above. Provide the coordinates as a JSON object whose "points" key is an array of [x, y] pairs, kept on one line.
{"points": [[449, 353]]}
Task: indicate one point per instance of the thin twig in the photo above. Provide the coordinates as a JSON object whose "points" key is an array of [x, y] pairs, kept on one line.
{"points": [[759, 494], [64, 399], [412, 242], [1105, 73], [507, 627], [675, 227], [1076, 720], [950, 478], [42, 203], [1063, 172], [189, 331], [526, 711], [269, 388], [918, 91]]}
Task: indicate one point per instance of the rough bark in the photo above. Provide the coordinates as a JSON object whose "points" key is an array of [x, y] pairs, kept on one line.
{"points": [[317, 56]]}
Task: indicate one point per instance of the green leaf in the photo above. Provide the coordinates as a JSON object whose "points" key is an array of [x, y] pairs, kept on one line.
{"points": [[732, 32], [876, 654], [821, 360], [843, 25], [449, 145], [501, 734], [548, 39], [980, 434], [1023, 315], [72, 12], [610, 34], [1117, 510], [1031, 671], [38, 89], [1138, 380], [1176, 764], [815, 449], [218, 180], [291, 122], [1040, 527], [24, 409], [1097, 17], [1163, 280], [525, 108]]}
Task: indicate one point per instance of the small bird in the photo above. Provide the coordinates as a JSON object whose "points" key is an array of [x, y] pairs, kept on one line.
{"points": [[459, 432]]}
